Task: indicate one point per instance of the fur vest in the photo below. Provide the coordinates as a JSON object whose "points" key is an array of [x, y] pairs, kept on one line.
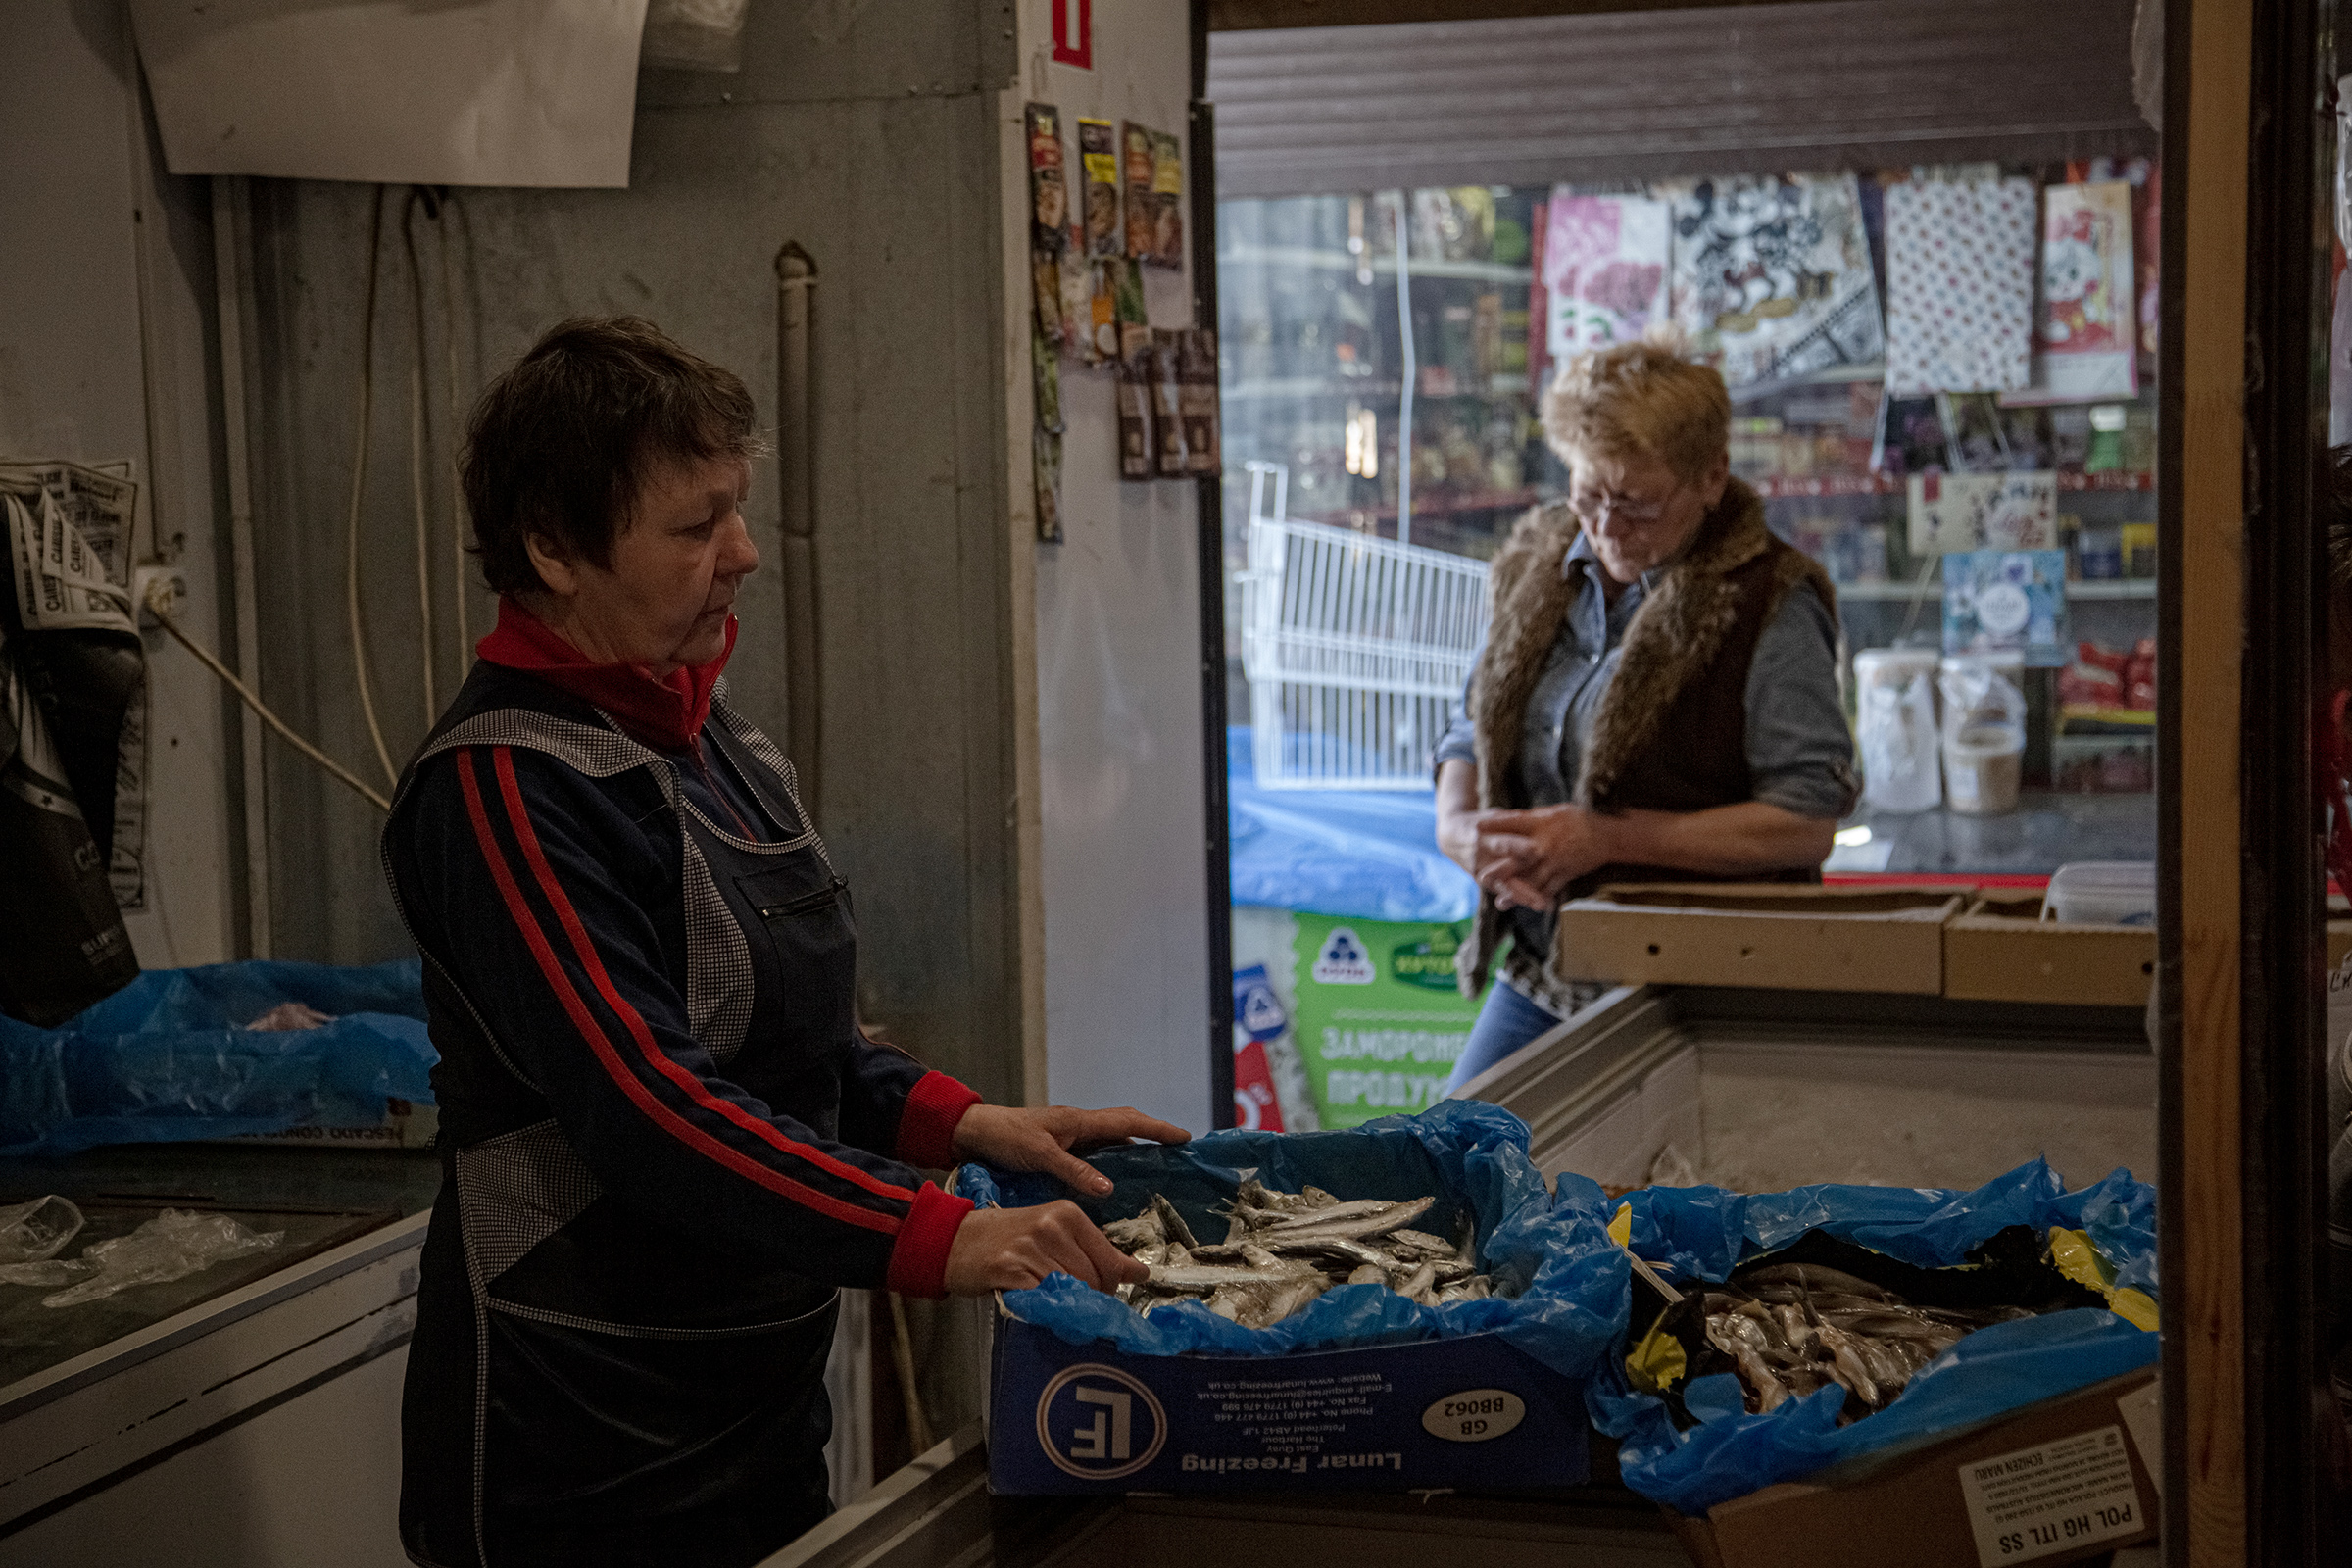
{"points": [[1671, 732]]}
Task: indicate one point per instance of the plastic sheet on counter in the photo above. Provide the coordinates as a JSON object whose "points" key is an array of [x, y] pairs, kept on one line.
{"points": [[1566, 1282], [173, 1056], [1705, 1232], [35, 1231], [1369, 854], [171, 1245]]}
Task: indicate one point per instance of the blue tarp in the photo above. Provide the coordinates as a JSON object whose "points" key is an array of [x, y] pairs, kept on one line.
{"points": [[1706, 1231], [1570, 1281], [1369, 854], [168, 1057]]}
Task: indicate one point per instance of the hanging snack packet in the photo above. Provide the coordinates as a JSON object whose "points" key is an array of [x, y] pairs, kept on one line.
{"points": [[1127, 296], [1135, 407], [1167, 200], [1139, 158], [1046, 377], [1044, 451], [1048, 182], [1099, 165], [1077, 276], [1102, 308], [1174, 459], [1200, 401]]}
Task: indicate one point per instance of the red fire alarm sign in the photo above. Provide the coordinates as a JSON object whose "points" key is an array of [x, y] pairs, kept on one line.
{"points": [[1074, 33]]}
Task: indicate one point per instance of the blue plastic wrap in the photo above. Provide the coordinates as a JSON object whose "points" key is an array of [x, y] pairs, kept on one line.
{"points": [[166, 1058], [1368, 855], [1573, 1294], [1706, 1231]]}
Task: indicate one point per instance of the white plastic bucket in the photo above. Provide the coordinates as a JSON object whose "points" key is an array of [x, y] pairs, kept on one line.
{"points": [[1982, 766]]}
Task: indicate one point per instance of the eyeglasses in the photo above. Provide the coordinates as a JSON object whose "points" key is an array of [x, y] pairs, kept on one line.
{"points": [[1600, 509]]}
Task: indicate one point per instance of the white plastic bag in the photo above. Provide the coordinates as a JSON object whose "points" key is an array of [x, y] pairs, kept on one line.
{"points": [[35, 1232], [171, 1245]]}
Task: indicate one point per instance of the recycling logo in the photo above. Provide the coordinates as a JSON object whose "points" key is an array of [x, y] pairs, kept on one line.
{"points": [[1343, 960]]}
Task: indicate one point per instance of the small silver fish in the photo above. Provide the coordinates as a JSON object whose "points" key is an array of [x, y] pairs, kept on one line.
{"points": [[1173, 1222], [1131, 1235]]}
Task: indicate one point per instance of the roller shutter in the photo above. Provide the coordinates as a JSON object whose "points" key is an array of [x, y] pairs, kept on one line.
{"points": [[1845, 83]]}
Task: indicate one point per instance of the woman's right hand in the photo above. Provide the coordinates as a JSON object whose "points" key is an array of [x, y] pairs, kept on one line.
{"points": [[1016, 1249]]}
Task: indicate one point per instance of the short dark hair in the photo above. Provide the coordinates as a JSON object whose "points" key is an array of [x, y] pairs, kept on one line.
{"points": [[562, 443]]}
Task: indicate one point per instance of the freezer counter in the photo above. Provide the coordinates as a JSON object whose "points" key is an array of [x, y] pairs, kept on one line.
{"points": [[1760, 1090]]}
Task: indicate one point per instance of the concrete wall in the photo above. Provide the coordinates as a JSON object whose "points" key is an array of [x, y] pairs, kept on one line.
{"points": [[866, 133], [1117, 617], [104, 352]]}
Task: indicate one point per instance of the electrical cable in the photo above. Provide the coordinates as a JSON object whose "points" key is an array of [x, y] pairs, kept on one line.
{"points": [[359, 488], [416, 444], [158, 600]]}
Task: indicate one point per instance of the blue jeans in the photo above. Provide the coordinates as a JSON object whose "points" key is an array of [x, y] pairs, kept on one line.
{"points": [[1507, 1023]]}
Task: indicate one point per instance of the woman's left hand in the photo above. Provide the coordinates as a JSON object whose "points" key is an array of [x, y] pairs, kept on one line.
{"points": [[1527, 859], [1013, 1138]]}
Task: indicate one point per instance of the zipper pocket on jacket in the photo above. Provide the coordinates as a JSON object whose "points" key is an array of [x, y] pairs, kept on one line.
{"points": [[807, 902]]}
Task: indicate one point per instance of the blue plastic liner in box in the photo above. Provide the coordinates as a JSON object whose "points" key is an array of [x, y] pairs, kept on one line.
{"points": [[1569, 1288], [1705, 1232], [168, 1057]]}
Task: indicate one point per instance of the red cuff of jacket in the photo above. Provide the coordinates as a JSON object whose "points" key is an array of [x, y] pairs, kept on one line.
{"points": [[927, 1126], [918, 1263]]}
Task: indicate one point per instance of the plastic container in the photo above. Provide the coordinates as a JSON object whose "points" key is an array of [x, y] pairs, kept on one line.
{"points": [[1894, 691], [2103, 893], [2099, 552], [1984, 766]]}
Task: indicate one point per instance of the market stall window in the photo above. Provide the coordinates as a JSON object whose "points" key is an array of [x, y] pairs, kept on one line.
{"points": [[1944, 393]]}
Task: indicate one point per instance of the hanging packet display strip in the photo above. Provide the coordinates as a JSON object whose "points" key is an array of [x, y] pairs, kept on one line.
{"points": [[1049, 221], [1049, 332]]}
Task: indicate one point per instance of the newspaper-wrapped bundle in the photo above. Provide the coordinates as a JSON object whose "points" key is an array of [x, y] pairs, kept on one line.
{"points": [[69, 545]]}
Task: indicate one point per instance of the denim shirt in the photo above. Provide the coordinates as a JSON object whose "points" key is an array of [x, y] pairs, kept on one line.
{"points": [[1799, 751]]}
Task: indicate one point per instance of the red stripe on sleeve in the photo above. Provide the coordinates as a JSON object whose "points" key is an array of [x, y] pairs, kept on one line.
{"points": [[766, 1131], [590, 1031]]}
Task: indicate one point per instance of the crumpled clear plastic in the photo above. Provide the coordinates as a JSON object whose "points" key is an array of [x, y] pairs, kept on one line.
{"points": [[171, 1245], [31, 1233]]}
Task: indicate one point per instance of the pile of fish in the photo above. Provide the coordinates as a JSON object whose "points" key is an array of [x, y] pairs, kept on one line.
{"points": [[1282, 1249], [1794, 1328]]}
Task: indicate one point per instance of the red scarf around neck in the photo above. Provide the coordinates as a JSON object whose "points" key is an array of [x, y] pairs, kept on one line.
{"points": [[666, 713]]}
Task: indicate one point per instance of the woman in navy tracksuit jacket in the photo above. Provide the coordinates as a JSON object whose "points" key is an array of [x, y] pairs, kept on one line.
{"points": [[665, 1140]]}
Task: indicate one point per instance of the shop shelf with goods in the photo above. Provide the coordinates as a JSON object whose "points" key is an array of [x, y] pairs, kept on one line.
{"points": [[1393, 388]]}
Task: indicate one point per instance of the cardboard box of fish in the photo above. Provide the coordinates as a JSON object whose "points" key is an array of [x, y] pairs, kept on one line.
{"points": [[1948, 1378], [1394, 1307]]}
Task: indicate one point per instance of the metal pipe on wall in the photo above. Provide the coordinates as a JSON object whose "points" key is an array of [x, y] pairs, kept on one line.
{"points": [[795, 480], [232, 283]]}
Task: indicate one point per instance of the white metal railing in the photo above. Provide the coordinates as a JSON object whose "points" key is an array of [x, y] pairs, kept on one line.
{"points": [[1356, 648]]}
